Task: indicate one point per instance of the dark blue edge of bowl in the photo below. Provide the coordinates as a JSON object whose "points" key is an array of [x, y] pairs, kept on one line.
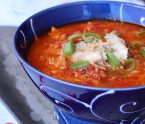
{"points": [[61, 81]]}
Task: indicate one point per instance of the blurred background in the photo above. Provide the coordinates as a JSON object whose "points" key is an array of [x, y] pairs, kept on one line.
{"points": [[20, 100], [14, 12]]}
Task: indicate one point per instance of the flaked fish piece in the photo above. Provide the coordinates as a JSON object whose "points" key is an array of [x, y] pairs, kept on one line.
{"points": [[95, 52], [90, 56], [92, 52], [116, 45]]}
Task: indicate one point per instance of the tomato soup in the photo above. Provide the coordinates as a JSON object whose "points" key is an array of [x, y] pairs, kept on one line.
{"points": [[95, 53]]}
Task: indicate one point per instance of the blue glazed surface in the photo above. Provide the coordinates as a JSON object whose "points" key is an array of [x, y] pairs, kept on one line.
{"points": [[97, 105]]}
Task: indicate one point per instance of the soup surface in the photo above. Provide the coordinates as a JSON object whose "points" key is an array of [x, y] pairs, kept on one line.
{"points": [[94, 53]]}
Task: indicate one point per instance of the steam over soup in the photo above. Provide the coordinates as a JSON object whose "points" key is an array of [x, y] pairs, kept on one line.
{"points": [[94, 53]]}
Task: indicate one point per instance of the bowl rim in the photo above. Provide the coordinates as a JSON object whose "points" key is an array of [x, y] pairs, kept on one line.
{"points": [[24, 62]]}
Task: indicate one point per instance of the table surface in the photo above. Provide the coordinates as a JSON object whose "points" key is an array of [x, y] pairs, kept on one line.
{"points": [[17, 90]]}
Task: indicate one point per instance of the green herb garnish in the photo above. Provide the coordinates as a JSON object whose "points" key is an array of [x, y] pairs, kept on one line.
{"points": [[130, 63], [79, 64], [142, 51], [136, 43], [71, 37], [112, 59], [69, 48], [90, 37], [140, 33]]}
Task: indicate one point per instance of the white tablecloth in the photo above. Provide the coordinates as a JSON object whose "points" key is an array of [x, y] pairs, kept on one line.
{"points": [[14, 12]]}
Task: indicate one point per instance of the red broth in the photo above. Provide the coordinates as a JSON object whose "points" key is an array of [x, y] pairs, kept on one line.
{"points": [[46, 55]]}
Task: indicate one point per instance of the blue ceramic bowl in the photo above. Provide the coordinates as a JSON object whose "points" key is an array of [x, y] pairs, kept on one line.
{"points": [[77, 104]]}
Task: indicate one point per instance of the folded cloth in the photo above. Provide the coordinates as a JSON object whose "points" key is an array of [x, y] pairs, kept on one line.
{"points": [[14, 12]]}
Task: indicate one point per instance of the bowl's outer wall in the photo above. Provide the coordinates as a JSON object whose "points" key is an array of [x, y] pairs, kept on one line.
{"points": [[106, 105]]}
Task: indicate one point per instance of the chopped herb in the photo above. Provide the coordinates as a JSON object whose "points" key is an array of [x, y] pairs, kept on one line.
{"points": [[130, 64], [140, 33], [71, 37], [136, 43], [142, 51], [112, 59], [90, 37], [79, 64], [69, 48]]}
